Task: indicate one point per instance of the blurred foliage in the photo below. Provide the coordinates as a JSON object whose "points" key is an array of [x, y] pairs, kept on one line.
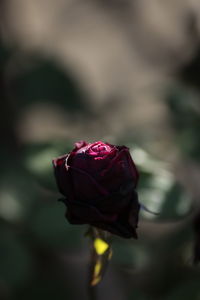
{"points": [[43, 81], [37, 161], [16, 260], [185, 116], [41, 255]]}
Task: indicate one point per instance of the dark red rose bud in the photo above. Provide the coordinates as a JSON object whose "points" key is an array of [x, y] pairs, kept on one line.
{"points": [[98, 181]]}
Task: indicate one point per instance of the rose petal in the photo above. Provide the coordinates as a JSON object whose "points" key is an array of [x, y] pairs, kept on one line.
{"points": [[63, 177], [80, 144], [117, 228], [115, 202], [84, 213], [118, 171]]}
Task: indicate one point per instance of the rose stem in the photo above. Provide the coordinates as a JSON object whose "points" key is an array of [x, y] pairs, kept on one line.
{"points": [[92, 292], [92, 289]]}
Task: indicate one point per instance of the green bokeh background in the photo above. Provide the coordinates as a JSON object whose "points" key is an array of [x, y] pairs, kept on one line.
{"points": [[44, 257]]}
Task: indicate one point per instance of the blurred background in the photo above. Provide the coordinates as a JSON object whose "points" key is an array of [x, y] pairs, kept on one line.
{"points": [[121, 71]]}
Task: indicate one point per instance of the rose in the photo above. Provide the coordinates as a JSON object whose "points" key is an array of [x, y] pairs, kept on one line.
{"points": [[98, 181]]}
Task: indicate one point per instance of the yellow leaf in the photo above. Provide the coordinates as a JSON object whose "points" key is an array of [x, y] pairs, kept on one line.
{"points": [[95, 280], [110, 254], [97, 269], [100, 246]]}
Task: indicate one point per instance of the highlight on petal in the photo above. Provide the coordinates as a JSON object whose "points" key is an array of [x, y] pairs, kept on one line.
{"points": [[80, 144], [59, 160]]}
